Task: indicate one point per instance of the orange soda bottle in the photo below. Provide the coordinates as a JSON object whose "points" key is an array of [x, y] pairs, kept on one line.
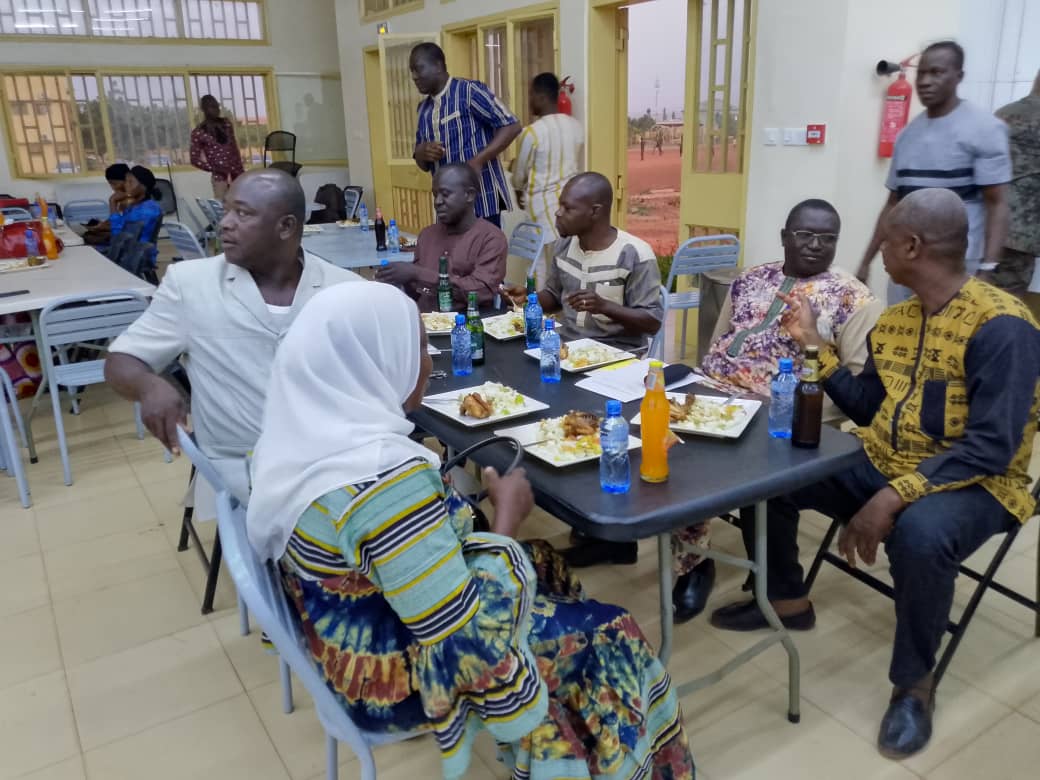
{"points": [[653, 423], [50, 243]]}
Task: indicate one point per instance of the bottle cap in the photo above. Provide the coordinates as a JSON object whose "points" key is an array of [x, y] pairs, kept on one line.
{"points": [[656, 364], [786, 365], [613, 408], [550, 324], [460, 319], [812, 351], [384, 261], [393, 223], [532, 298]]}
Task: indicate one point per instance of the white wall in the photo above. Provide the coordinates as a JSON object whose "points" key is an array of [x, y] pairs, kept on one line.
{"points": [[815, 63], [354, 37], [1002, 43], [303, 40]]}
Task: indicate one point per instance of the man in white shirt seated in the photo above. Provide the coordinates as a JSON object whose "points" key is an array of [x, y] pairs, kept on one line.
{"points": [[224, 317]]}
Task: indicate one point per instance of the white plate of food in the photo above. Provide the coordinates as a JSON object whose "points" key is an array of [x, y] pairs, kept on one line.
{"points": [[308, 229], [584, 355], [483, 404], [438, 323], [347, 223], [708, 415], [562, 441], [20, 264], [505, 327]]}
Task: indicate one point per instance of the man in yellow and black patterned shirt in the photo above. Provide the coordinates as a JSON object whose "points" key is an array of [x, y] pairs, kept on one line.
{"points": [[947, 403]]}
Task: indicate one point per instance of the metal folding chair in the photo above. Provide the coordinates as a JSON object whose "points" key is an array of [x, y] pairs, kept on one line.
{"points": [[260, 586], [73, 321], [659, 342], [167, 197], [693, 258], [184, 241], [84, 210], [984, 579], [526, 242]]}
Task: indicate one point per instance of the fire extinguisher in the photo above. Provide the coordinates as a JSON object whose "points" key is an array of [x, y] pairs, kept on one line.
{"points": [[563, 102], [895, 114]]}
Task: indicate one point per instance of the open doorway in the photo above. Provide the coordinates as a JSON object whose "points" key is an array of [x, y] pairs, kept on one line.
{"points": [[656, 108]]}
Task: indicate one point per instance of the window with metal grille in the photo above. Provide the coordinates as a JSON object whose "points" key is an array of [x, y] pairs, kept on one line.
{"points": [[535, 53], [373, 8], [243, 98], [80, 122], [229, 20]]}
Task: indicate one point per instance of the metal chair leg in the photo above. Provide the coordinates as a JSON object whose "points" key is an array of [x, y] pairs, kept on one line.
{"points": [[331, 758], [243, 617], [182, 544], [286, 677], [1036, 614], [211, 576], [685, 315], [59, 424], [818, 560]]}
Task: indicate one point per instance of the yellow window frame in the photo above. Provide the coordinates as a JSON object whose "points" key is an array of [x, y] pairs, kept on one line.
{"points": [[397, 8], [270, 97]]}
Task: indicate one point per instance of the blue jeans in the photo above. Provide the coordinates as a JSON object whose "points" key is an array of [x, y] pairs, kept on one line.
{"points": [[928, 542]]}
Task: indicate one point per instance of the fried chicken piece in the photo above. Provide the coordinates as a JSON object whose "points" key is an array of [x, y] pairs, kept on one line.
{"points": [[677, 412], [564, 352], [474, 405], [578, 424]]}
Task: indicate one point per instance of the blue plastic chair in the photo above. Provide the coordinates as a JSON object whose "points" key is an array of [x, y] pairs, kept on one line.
{"points": [[695, 257], [184, 241], [526, 243], [78, 320], [16, 214], [260, 586], [85, 210]]}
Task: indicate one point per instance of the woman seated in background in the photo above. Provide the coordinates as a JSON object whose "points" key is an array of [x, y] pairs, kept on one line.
{"points": [[138, 204], [416, 621]]}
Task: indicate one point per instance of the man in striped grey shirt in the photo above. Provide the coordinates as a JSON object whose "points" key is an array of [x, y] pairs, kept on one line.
{"points": [[953, 145]]}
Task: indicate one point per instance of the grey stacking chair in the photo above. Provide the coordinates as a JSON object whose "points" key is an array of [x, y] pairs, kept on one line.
{"points": [[695, 257], [184, 241], [84, 210], [10, 451]]}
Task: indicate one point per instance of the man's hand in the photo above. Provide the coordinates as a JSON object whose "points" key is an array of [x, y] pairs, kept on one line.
{"points": [[515, 292], [429, 152], [476, 164], [397, 273], [162, 408], [869, 526], [800, 320], [512, 498], [586, 300]]}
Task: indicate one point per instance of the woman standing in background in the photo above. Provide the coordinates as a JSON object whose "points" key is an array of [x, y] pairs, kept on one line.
{"points": [[214, 148]]}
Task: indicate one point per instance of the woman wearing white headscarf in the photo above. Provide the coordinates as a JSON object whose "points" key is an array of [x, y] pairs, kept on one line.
{"points": [[416, 621]]}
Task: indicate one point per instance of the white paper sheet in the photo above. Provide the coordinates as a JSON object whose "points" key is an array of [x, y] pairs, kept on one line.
{"points": [[624, 381]]}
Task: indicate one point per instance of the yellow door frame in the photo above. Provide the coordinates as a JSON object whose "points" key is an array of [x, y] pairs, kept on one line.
{"points": [[377, 130]]}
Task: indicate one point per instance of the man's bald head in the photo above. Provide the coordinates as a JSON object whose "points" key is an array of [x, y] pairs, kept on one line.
{"points": [[264, 214], [274, 189], [593, 189], [584, 205], [455, 190], [937, 217], [458, 173]]}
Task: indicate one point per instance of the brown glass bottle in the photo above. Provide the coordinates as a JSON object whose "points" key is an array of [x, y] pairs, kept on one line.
{"points": [[808, 403]]}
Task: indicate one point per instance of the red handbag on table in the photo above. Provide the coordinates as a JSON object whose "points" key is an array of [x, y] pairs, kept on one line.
{"points": [[12, 238]]}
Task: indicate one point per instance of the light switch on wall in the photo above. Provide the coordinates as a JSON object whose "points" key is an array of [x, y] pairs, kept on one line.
{"points": [[772, 135], [794, 136]]}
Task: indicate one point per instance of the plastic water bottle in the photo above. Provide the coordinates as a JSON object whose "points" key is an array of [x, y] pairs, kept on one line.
{"points": [[363, 217], [461, 348], [533, 321], [393, 237], [781, 401], [615, 473], [550, 353], [32, 245]]}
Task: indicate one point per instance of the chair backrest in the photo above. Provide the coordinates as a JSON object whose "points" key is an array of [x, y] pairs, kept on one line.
{"points": [[184, 241], [352, 195], [85, 318], [280, 141], [216, 210], [291, 167], [702, 254], [260, 587], [16, 214], [203, 465], [207, 212], [86, 210], [657, 343], [526, 243], [168, 198]]}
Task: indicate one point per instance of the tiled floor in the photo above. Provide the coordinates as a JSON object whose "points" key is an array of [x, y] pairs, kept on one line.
{"points": [[109, 672]]}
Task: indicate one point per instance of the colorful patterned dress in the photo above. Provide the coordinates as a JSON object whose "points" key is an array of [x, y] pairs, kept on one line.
{"points": [[418, 623]]}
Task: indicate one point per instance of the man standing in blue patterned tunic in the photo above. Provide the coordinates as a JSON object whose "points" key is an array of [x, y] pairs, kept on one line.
{"points": [[461, 121]]}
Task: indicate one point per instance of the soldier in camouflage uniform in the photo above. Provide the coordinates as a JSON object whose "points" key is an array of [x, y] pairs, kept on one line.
{"points": [[1015, 269]]}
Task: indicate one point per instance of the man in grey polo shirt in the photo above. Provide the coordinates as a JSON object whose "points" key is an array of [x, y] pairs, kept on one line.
{"points": [[603, 281], [953, 145], [224, 316]]}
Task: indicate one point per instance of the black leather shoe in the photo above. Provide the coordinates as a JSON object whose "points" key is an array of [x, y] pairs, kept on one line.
{"points": [[691, 591], [591, 552], [746, 616], [906, 727]]}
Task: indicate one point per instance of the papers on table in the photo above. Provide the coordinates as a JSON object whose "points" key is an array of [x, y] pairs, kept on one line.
{"points": [[624, 381]]}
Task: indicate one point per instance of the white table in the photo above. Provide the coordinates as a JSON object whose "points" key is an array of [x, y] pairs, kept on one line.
{"points": [[81, 270], [350, 247]]}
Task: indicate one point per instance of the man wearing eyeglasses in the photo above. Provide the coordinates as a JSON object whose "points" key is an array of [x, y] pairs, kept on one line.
{"points": [[749, 341]]}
